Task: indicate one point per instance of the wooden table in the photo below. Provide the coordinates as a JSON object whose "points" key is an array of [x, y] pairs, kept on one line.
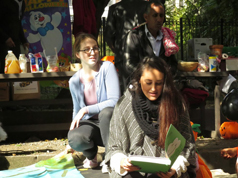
{"points": [[68, 74], [35, 77], [38, 77], [216, 76]]}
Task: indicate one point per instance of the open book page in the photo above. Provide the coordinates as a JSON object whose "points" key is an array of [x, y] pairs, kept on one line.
{"points": [[150, 164], [174, 144]]}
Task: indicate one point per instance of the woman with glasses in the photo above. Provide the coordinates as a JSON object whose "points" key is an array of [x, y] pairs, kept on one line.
{"points": [[95, 90]]}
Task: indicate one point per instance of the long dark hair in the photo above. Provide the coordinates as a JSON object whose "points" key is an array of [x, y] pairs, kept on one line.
{"points": [[172, 105]]}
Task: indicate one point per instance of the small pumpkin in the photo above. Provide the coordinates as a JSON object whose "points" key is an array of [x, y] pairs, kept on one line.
{"points": [[108, 58], [229, 130]]}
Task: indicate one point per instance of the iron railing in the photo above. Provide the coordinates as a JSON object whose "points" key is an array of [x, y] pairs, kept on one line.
{"points": [[222, 32]]}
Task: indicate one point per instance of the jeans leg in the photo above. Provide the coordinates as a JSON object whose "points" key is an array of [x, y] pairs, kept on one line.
{"points": [[84, 139], [104, 123]]}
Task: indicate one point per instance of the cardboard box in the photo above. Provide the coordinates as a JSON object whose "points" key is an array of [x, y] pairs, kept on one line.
{"points": [[25, 90], [231, 64], [4, 84], [196, 45], [4, 92]]}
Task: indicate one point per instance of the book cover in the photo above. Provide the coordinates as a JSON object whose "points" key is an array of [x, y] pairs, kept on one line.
{"points": [[174, 144]]}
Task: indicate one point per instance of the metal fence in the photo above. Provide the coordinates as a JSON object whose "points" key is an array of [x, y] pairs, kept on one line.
{"points": [[222, 32]]}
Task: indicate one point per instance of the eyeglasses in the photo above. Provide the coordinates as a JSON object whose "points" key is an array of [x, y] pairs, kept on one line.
{"points": [[89, 50]]}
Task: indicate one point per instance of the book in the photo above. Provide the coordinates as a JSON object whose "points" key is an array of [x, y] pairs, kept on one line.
{"points": [[174, 144]]}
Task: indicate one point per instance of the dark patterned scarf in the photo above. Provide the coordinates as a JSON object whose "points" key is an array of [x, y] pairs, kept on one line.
{"points": [[146, 113]]}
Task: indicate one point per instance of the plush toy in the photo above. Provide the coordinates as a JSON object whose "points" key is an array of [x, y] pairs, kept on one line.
{"points": [[196, 129], [229, 130], [202, 170]]}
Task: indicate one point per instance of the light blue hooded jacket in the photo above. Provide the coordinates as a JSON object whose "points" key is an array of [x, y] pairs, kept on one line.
{"points": [[107, 88]]}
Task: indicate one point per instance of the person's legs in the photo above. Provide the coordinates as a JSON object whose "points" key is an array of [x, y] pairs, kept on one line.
{"points": [[85, 139], [104, 122]]}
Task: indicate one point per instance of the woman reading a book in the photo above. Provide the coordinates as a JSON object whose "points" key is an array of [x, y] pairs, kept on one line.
{"points": [[141, 120]]}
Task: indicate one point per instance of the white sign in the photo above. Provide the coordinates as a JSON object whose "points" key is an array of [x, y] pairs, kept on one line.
{"points": [[25, 87]]}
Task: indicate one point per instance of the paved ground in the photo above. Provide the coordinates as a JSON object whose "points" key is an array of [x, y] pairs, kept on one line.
{"points": [[23, 154]]}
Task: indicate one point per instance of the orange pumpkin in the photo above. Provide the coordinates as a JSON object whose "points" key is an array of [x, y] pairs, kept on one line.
{"points": [[108, 58], [229, 130]]}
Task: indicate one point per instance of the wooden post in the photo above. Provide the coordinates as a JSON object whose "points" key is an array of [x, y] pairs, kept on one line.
{"points": [[216, 133]]}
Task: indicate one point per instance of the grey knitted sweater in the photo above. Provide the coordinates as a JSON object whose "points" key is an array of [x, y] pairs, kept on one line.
{"points": [[128, 138]]}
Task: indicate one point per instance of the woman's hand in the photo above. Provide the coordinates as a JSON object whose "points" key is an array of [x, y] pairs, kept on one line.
{"points": [[10, 43], [78, 117], [228, 153], [167, 174], [126, 165]]}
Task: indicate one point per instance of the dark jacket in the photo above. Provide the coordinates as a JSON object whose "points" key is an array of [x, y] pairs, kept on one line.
{"points": [[10, 25], [122, 17], [137, 46]]}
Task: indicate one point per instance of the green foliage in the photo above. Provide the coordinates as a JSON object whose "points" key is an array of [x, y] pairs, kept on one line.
{"points": [[203, 9], [216, 19]]}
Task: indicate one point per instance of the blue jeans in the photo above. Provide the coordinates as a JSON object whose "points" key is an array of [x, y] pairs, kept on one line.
{"points": [[91, 133]]}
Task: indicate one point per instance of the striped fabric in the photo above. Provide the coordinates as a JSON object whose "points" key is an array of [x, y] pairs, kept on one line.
{"points": [[127, 137]]}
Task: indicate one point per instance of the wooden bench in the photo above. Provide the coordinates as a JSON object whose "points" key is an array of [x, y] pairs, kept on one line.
{"points": [[42, 125], [32, 121]]}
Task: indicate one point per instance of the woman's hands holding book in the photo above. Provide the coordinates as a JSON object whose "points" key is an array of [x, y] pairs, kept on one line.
{"points": [[180, 165], [127, 166]]}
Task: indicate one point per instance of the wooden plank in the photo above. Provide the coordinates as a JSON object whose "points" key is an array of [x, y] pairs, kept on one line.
{"points": [[216, 133], [202, 74], [36, 76], [37, 128], [66, 75], [9, 118], [37, 102]]}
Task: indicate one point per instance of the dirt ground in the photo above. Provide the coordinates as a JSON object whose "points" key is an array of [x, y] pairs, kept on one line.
{"points": [[37, 147], [56, 146]]}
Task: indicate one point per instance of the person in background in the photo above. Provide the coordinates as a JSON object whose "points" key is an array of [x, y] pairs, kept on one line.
{"points": [[11, 31], [150, 39], [229, 153], [141, 119], [87, 16], [95, 91], [122, 17]]}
